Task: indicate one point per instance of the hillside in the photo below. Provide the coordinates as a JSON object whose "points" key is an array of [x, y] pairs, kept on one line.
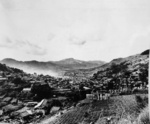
{"points": [[120, 110], [133, 62], [6, 69], [54, 68]]}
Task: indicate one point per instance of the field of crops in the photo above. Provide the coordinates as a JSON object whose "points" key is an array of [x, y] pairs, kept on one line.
{"points": [[117, 108]]}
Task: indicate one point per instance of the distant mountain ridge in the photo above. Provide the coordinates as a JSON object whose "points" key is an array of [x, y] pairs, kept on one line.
{"points": [[71, 67], [53, 68]]}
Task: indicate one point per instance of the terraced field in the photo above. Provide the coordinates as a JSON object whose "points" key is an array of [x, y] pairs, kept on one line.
{"points": [[116, 108]]}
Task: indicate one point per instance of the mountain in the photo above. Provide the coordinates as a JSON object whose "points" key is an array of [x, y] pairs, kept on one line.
{"points": [[72, 63], [34, 66], [133, 62], [54, 68]]}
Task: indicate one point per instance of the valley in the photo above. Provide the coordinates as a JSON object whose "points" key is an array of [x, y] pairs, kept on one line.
{"points": [[114, 92]]}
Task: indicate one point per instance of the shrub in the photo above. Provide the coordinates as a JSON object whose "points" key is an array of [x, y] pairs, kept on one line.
{"points": [[125, 93], [143, 117], [140, 91], [141, 102]]}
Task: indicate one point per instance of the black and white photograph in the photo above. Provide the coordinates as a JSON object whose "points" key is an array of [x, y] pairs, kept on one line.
{"points": [[74, 61]]}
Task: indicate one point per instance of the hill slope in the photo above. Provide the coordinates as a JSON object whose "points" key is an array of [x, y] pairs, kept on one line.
{"points": [[4, 68], [53, 68], [133, 62]]}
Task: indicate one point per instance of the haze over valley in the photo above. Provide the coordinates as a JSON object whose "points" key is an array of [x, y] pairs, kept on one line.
{"points": [[53, 68]]}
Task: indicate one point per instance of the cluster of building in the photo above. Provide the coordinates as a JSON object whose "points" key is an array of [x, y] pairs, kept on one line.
{"points": [[29, 97]]}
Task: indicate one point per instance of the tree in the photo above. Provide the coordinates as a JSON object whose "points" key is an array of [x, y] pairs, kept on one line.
{"points": [[42, 91], [118, 68], [144, 73], [110, 85], [18, 81]]}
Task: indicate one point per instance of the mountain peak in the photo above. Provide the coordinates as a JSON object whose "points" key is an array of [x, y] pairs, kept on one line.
{"points": [[8, 60], [69, 61]]}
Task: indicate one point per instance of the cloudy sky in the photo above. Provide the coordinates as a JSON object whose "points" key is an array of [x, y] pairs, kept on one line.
{"points": [[82, 29]]}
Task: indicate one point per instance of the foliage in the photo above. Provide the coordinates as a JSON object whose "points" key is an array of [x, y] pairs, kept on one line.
{"points": [[141, 101], [116, 68], [143, 117], [42, 91], [146, 52], [144, 73], [18, 80], [5, 68]]}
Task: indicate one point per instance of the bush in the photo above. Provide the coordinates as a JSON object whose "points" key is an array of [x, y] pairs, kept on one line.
{"points": [[125, 92], [18, 80], [142, 102], [140, 91], [143, 117]]}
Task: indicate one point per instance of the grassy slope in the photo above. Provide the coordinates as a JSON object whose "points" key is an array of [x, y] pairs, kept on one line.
{"points": [[120, 108]]}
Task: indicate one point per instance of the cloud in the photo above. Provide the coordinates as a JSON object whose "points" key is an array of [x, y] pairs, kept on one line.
{"points": [[31, 48], [8, 40], [6, 43], [50, 37], [23, 45], [4, 46], [77, 41], [140, 42], [8, 4], [81, 43]]}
